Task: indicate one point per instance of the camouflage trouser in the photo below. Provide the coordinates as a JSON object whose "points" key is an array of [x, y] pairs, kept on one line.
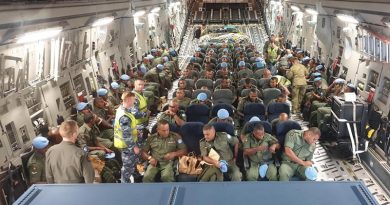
{"points": [[129, 164]]}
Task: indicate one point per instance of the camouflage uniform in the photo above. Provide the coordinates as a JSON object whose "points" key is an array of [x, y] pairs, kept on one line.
{"points": [[260, 157], [36, 168], [303, 150]]}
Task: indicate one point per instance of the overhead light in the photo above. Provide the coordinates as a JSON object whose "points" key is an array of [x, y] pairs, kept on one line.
{"points": [[386, 21], [103, 21], [295, 8], [347, 18], [139, 13], [155, 10], [297, 13], [311, 11], [39, 35]]}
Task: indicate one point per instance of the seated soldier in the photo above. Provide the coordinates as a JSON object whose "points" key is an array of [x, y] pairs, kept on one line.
{"points": [[267, 73], [298, 153], [114, 97], [202, 99], [173, 114], [246, 127], [218, 143], [102, 109], [247, 85], [226, 83], [36, 163], [222, 116], [258, 147], [124, 83], [273, 83], [282, 117], [181, 98], [208, 74], [282, 98], [84, 108], [251, 98], [161, 149]]}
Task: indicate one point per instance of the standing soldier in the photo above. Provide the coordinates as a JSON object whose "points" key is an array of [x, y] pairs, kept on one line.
{"points": [[299, 148], [36, 163], [125, 136], [140, 110], [297, 75], [67, 163]]}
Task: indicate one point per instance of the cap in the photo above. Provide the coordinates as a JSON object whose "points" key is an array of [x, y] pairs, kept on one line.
{"points": [[263, 170], [224, 65], [201, 96], [193, 60], [320, 67], [311, 173], [290, 55], [40, 142], [260, 64], [315, 75], [222, 114], [150, 57], [224, 166], [339, 81], [153, 50], [125, 77], [160, 67], [241, 63], [238, 48], [352, 86], [255, 119], [317, 79], [114, 85], [81, 106], [306, 58], [102, 92], [143, 69], [165, 59], [258, 59], [198, 49], [225, 50]]}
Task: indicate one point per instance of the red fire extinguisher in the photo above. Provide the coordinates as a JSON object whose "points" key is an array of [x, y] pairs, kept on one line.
{"points": [[371, 95]]}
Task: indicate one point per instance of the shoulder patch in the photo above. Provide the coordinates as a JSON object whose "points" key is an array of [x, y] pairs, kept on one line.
{"points": [[179, 141]]}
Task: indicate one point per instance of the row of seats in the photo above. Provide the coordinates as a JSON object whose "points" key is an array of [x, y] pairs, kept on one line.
{"points": [[231, 15]]}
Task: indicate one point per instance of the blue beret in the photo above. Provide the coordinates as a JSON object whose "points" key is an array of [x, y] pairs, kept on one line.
{"points": [[339, 81], [241, 63], [225, 50], [150, 57], [114, 85], [306, 58], [319, 67], [201, 96], [315, 74], [258, 59], [317, 79], [290, 55], [260, 64], [255, 119], [198, 49], [102, 92], [81, 106], [40, 142], [160, 67], [153, 50], [222, 114], [352, 86], [311, 173], [165, 59], [143, 69], [125, 77], [238, 49], [224, 166], [263, 170], [224, 65]]}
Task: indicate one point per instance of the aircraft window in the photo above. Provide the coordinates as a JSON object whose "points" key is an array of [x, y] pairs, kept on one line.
{"points": [[32, 101], [365, 44], [347, 48], [384, 52], [23, 132], [66, 95], [79, 84], [373, 80], [378, 49], [371, 46], [385, 91], [12, 136]]}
